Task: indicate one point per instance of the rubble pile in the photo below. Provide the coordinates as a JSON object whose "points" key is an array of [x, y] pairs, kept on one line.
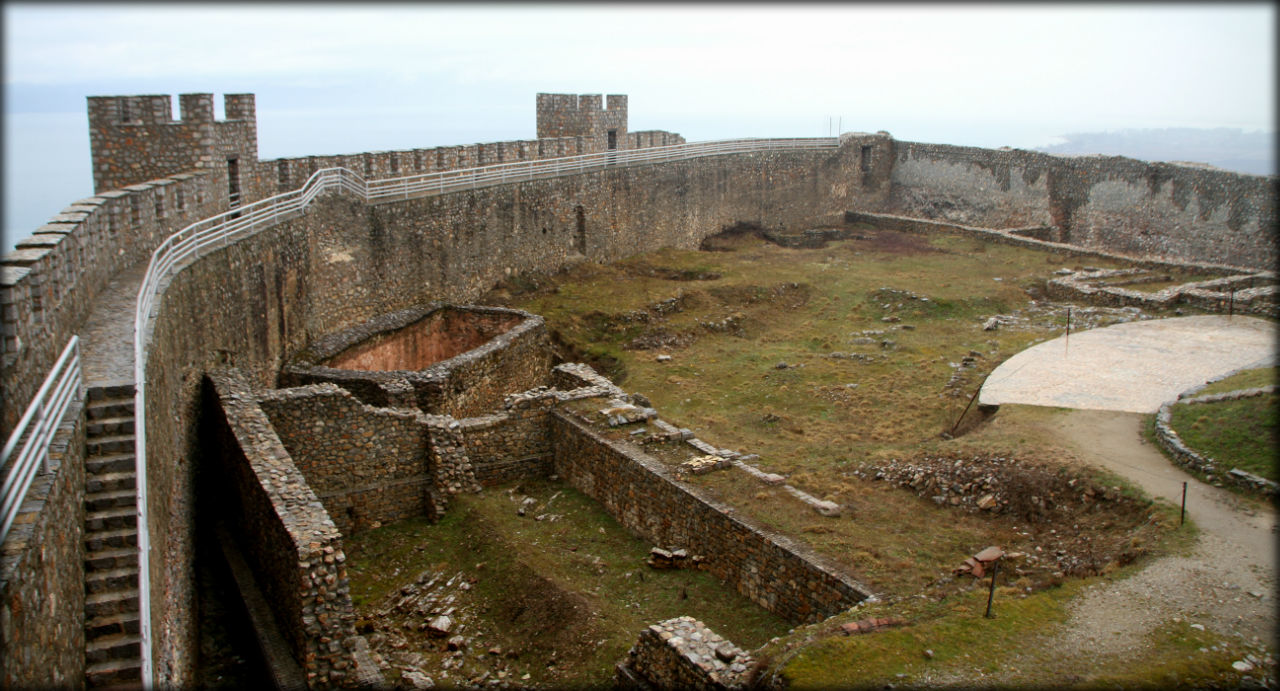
{"points": [[426, 634], [663, 559], [956, 385], [995, 484], [1073, 526], [702, 464]]}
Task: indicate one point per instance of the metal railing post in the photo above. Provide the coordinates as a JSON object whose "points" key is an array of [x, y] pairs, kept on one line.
{"points": [[42, 411]]}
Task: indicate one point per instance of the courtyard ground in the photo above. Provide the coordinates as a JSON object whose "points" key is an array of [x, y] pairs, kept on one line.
{"points": [[847, 368]]}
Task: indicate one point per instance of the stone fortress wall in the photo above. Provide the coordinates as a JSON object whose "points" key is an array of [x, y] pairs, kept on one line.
{"points": [[1155, 210], [344, 262]]}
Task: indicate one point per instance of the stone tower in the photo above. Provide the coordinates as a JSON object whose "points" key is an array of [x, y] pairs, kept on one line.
{"points": [[133, 139], [571, 115]]}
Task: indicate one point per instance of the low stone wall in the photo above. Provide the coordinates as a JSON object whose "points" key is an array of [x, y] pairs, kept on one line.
{"points": [[1189, 458], [1018, 237], [292, 545], [42, 572], [1256, 292], [372, 465], [682, 653], [513, 443], [367, 465], [642, 494]]}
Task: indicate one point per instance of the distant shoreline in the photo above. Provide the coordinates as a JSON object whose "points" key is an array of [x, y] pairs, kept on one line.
{"points": [[1230, 149]]}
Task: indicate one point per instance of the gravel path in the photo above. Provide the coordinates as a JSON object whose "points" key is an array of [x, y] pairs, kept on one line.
{"points": [[1234, 557], [1226, 584]]}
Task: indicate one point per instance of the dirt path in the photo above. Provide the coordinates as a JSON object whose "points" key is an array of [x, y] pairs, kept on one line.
{"points": [[1226, 584]]}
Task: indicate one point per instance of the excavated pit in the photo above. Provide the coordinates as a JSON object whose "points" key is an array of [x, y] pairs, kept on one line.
{"points": [[444, 333], [440, 358]]}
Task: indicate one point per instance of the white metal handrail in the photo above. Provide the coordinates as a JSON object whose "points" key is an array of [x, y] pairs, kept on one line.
{"points": [[215, 232], [503, 173], [37, 426]]}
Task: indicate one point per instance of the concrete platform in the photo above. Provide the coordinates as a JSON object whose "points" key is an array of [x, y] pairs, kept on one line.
{"points": [[1131, 367]]}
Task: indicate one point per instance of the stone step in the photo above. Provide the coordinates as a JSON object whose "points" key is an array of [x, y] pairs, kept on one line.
{"points": [[98, 393], [115, 673], [109, 426], [111, 407], [109, 445], [111, 558], [111, 482], [111, 463], [114, 518], [108, 539], [102, 500], [114, 647], [105, 580], [126, 623], [113, 602]]}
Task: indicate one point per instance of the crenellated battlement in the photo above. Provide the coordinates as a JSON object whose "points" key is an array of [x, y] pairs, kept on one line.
{"points": [[135, 138], [572, 115], [157, 109]]}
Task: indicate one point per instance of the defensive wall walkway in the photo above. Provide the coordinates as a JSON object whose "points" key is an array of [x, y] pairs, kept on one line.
{"points": [[112, 356]]}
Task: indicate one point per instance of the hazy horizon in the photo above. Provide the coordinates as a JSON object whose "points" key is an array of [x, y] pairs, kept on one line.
{"points": [[343, 79]]}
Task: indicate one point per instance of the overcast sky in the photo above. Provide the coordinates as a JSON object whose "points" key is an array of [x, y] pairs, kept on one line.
{"points": [[331, 78]]}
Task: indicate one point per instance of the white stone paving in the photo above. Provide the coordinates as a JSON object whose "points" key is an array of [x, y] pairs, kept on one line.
{"points": [[1131, 367]]}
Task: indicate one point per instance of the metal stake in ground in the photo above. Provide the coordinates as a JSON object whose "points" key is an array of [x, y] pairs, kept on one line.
{"points": [[995, 569], [1066, 340], [1182, 517], [972, 398]]}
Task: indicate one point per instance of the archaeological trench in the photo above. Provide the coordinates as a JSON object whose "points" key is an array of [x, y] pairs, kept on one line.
{"points": [[328, 372]]}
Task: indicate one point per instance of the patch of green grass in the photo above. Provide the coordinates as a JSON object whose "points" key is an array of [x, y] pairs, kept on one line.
{"points": [[1009, 650], [954, 629], [1236, 434], [1248, 379], [866, 376], [570, 589]]}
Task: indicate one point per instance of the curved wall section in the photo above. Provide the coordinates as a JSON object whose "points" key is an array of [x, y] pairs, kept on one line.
{"points": [[343, 263], [49, 283]]}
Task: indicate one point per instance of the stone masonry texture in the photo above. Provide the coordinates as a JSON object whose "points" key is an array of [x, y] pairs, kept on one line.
{"points": [[367, 465], [642, 494], [256, 303], [292, 545], [42, 572], [682, 653], [442, 359]]}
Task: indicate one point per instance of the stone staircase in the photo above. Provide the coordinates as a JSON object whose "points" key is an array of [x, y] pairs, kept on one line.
{"points": [[112, 641]]}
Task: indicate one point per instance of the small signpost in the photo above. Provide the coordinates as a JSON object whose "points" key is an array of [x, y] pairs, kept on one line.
{"points": [[976, 566]]}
